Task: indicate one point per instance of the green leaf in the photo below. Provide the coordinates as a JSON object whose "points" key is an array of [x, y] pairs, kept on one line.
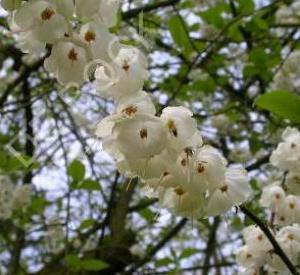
{"points": [[179, 33], [76, 170], [93, 265], [213, 16], [163, 262], [76, 263], [282, 103], [86, 224], [188, 252], [73, 261], [246, 6], [91, 185], [147, 214]]}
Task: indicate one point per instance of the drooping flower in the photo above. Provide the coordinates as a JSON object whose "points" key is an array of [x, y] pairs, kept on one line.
{"points": [[123, 77], [180, 126], [287, 155], [289, 210], [40, 21], [102, 43], [67, 62], [102, 11], [272, 197], [140, 137], [234, 191]]}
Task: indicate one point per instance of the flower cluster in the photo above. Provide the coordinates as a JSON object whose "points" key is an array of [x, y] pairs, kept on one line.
{"points": [[258, 253], [12, 198], [77, 31], [287, 78], [288, 14], [282, 199], [166, 152]]}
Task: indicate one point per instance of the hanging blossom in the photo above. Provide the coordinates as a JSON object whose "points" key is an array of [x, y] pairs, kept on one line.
{"points": [[165, 151], [76, 31], [282, 199], [13, 198], [257, 254]]}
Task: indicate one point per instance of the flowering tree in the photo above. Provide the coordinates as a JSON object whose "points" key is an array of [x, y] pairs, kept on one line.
{"points": [[149, 137]]}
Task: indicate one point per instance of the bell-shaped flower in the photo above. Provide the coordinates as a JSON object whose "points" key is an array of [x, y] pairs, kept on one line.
{"points": [[141, 103], [127, 108], [181, 202], [275, 262], [292, 182], [250, 258], [67, 62], [102, 43], [155, 168], [101, 11], [290, 235], [289, 211], [287, 155], [41, 20], [124, 76], [256, 239], [141, 137], [234, 191], [180, 126], [272, 196], [209, 167]]}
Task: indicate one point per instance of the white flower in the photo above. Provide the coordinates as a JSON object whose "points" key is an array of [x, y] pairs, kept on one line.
{"points": [[103, 44], [41, 21], [234, 191], [180, 126], [284, 15], [137, 250], [272, 196], [22, 197], [209, 167], [181, 202], [139, 104], [287, 155], [250, 258], [6, 194], [275, 262], [123, 77], [103, 11], [29, 44], [289, 211], [127, 108], [256, 239], [290, 235], [140, 137], [156, 168], [67, 62], [292, 182]]}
